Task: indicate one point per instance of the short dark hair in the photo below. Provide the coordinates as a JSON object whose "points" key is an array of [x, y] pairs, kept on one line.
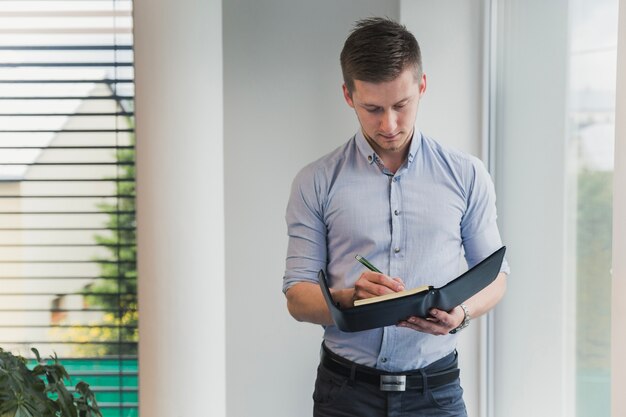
{"points": [[377, 50]]}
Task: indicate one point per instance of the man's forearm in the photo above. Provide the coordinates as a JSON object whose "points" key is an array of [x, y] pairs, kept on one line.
{"points": [[487, 299], [306, 302]]}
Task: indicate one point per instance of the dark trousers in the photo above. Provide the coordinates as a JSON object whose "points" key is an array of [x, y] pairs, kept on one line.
{"points": [[336, 395]]}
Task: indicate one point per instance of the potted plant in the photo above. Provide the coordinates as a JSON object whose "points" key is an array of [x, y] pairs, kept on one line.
{"points": [[41, 391]]}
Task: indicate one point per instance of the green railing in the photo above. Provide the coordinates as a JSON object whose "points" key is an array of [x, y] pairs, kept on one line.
{"points": [[113, 380]]}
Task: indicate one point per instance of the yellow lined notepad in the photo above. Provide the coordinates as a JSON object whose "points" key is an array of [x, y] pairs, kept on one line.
{"points": [[391, 296]]}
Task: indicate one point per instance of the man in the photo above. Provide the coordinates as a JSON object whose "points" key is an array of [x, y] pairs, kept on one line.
{"points": [[411, 207]]}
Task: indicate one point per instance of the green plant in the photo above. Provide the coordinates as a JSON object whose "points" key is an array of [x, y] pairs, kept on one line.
{"points": [[41, 391]]}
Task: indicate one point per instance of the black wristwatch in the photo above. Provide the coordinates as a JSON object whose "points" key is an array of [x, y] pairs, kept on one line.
{"points": [[465, 322]]}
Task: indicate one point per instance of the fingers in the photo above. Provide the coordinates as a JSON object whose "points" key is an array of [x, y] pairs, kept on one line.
{"points": [[399, 281], [373, 284], [429, 326], [440, 323]]}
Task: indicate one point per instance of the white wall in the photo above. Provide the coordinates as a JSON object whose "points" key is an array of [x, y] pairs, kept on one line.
{"points": [[450, 34], [283, 108]]}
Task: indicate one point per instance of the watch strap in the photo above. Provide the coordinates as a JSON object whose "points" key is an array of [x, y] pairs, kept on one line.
{"points": [[465, 322]]}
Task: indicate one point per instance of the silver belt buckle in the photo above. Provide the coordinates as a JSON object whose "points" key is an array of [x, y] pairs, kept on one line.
{"points": [[393, 382]]}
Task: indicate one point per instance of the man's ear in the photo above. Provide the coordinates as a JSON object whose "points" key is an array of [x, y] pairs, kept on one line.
{"points": [[422, 85], [347, 96]]}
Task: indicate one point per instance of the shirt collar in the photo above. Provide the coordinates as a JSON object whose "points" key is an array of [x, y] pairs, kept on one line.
{"points": [[368, 153], [364, 147], [416, 144]]}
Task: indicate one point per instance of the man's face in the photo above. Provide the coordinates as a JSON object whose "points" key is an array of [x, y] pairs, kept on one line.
{"points": [[387, 111]]}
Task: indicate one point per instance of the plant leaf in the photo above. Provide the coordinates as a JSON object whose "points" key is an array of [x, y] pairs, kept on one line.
{"points": [[36, 352]]}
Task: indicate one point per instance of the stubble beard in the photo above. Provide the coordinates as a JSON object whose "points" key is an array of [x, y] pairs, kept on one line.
{"points": [[396, 146]]}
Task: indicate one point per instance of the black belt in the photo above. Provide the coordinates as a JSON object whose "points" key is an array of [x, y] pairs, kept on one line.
{"points": [[418, 379]]}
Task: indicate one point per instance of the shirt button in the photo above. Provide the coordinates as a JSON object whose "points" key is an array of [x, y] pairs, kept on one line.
{"points": [[383, 360], [369, 158], [396, 250], [396, 212]]}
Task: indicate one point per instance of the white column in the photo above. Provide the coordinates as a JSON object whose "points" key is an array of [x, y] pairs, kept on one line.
{"points": [[618, 335], [180, 219], [534, 327]]}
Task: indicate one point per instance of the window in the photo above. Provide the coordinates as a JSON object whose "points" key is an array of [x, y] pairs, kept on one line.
{"points": [[67, 191], [555, 135], [591, 118]]}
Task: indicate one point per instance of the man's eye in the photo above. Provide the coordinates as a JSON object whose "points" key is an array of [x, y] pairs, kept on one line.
{"points": [[373, 110]]}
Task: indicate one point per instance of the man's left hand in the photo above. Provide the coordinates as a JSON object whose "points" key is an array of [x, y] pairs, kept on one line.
{"points": [[440, 323]]}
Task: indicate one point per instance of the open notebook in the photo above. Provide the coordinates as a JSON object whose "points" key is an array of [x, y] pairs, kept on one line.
{"points": [[391, 309]]}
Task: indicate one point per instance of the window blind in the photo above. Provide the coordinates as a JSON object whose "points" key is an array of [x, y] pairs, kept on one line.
{"points": [[67, 191]]}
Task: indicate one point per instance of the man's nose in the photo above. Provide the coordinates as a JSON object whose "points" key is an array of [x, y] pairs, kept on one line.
{"points": [[389, 122]]}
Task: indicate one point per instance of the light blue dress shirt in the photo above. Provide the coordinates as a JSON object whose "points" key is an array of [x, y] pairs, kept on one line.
{"points": [[415, 224]]}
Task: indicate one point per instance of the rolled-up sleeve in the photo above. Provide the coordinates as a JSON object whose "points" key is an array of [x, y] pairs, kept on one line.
{"points": [[306, 251], [479, 229]]}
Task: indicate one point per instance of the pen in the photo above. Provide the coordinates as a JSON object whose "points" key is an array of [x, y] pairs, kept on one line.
{"points": [[367, 264]]}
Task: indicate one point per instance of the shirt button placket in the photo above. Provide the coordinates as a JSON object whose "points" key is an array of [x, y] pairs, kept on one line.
{"points": [[396, 229]]}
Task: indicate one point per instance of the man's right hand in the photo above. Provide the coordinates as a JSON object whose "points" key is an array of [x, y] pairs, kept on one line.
{"points": [[372, 284], [306, 302]]}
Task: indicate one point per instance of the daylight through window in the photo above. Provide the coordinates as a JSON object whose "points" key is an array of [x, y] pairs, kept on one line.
{"points": [[67, 191]]}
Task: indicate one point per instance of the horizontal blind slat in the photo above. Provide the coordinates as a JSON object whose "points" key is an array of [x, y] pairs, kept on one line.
{"points": [[67, 232]]}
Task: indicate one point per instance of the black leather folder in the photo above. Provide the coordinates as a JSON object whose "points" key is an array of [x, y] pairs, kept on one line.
{"points": [[390, 312]]}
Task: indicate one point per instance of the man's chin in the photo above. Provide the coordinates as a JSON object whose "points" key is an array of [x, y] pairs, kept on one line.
{"points": [[393, 145]]}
